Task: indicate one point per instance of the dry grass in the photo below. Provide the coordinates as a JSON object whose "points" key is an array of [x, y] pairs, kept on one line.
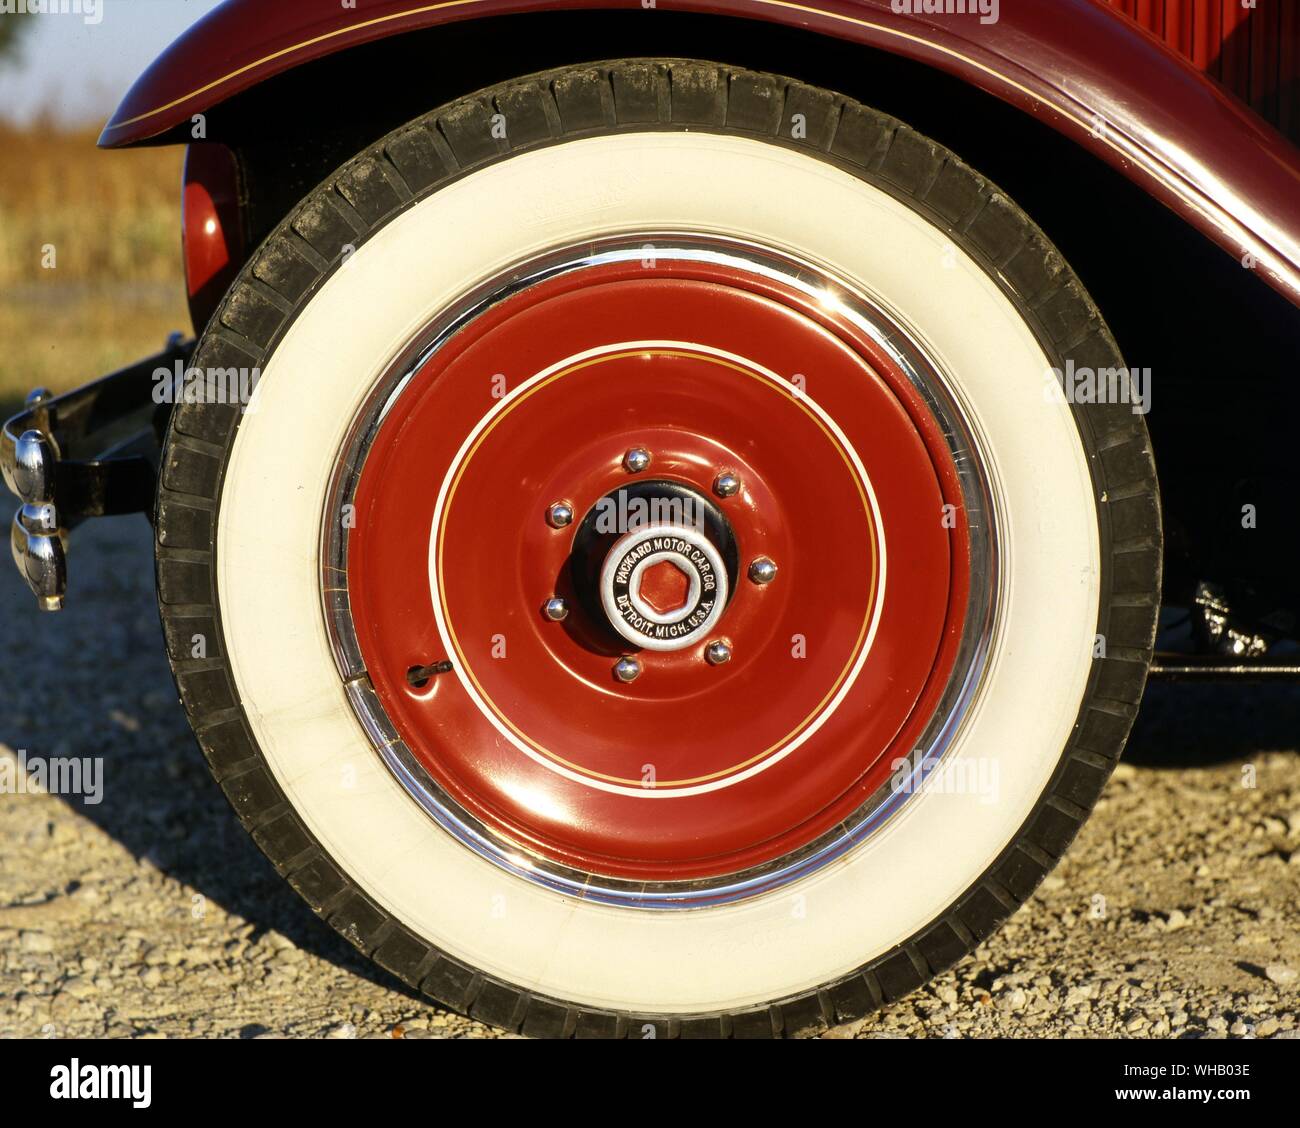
{"points": [[117, 286]]}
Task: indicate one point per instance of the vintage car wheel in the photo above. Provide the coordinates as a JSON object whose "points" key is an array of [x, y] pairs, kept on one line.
{"points": [[504, 722]]}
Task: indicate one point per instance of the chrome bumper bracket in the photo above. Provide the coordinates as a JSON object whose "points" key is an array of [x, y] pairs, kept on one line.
{"points": [[92, 452]]}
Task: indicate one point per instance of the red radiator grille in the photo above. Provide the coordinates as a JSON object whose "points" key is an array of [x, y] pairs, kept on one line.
{"points": [[1255, 52]]}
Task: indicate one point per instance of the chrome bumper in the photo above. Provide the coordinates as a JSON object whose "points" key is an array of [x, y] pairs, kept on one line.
{"points": [[92, 452], [38, 545]]}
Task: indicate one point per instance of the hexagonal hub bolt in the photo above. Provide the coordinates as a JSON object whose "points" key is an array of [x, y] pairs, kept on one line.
{"points": [[664, 586]]}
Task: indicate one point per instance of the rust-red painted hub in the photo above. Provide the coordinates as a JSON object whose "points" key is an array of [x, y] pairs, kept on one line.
{"points": [[693, 769]]}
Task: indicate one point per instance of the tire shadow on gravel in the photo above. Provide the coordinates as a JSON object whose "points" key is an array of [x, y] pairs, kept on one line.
{"points": [[93, 680], [1190, 725]]}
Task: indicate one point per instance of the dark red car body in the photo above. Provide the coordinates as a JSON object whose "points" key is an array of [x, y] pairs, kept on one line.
{"points": [[1075, 63]]}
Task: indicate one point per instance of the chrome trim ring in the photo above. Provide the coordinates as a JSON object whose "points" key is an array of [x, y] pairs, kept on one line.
{"points": [[869, 314]]}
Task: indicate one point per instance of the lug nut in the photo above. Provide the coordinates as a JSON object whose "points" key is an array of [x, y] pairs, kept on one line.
{"points": [[726, 484], [717, 652], [762, 570], [559, 515], [627, 669], [636, 460], [555, 609]]}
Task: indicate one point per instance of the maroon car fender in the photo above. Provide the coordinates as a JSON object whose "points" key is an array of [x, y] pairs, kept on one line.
{"points": [[1075, 64]]}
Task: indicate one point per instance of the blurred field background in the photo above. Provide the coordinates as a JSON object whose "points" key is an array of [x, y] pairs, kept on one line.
{"points": [[118, 286]]}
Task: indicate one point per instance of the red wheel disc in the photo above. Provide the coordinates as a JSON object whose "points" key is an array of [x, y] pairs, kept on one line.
{"points": [[694, 769]]}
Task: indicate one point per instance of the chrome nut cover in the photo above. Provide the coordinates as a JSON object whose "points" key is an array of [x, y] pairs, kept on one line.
{"points": [[33, 472], [34, 539], [39, 554]]}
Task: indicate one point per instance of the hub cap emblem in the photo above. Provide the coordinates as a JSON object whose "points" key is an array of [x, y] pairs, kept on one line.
{"points": [[663, 587]]}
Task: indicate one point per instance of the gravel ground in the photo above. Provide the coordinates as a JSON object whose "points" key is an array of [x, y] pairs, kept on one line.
{"points": [[151, 914]]}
